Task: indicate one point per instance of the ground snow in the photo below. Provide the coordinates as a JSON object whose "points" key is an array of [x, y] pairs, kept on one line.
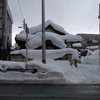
{"points": [[92, 58], [54, 72]]}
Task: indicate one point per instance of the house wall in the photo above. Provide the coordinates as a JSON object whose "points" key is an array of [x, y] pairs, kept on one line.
{"points": [[89, 40], [6, 51], [18, 58], [69, 45]]}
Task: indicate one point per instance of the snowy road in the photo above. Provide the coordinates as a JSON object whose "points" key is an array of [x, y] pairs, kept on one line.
{"points": [[48, 92]]}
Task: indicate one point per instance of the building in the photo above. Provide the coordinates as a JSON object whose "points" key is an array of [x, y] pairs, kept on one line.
{"points": [[55, 37], [6, 22], [89, 40]]}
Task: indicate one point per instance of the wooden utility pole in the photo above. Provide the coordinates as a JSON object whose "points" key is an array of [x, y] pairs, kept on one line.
{"points": [[26, 31]]}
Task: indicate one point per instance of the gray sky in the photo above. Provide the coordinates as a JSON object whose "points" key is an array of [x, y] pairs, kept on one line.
{"points": [[75, 16]]}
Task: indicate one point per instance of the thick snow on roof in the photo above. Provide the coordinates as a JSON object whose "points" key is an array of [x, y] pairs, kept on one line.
{"points": [[38, 28], [71, 38], [77, 45], [58, 40], [36, 41], [54, 54], [92, 47], [22, 37]]}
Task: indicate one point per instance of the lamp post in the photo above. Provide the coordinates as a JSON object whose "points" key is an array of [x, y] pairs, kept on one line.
{"points": [[43, 33]]}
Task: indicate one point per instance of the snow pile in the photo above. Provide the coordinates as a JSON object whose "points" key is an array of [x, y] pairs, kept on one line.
{"points": [[92, 59], [53, 72], [5, 65], [54, 54]]}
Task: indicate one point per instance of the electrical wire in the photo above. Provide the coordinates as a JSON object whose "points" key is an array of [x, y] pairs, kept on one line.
{"points": [[20, 9], [17, 9], [95, 31], [91, 25]]}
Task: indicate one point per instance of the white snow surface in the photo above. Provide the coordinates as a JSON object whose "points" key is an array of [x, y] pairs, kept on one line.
{"points": [[35, 36], [92, 47], [92, 59], [36, 41], [54, 54], [77, 45], [53, 72], [38, 28], [72, 38]]}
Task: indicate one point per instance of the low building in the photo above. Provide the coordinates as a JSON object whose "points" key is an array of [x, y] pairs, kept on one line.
{"points": [[89, 40]]}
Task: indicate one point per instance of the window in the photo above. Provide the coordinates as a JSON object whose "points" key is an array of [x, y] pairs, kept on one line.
{"points": [[94, 41]]}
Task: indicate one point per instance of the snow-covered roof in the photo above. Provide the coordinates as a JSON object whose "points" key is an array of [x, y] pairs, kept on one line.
{"points": [[54, 54], [77, 45], [71, 38], [36, 41], [38, 28], [92, 47]]}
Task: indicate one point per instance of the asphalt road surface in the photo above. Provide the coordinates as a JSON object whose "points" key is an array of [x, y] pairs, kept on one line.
{"points": [[48, 92]]}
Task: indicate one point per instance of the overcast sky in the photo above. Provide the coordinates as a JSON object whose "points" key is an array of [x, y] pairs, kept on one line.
{"points": [[75, 16]]}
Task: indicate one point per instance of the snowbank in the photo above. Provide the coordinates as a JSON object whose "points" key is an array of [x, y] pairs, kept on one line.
{"points": [[4, 65], [53, 72], [92, 59]]}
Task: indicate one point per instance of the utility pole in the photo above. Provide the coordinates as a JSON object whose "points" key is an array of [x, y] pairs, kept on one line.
{"points": [[43, 33], [26, 31], [99, 34]]}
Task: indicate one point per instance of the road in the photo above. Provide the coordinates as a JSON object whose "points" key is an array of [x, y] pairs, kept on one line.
{"points": [[48, 92]]}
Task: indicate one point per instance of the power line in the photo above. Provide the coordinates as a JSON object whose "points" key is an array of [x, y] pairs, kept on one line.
{"points": [[17, 9], [95, 31], [91, 24], [20, 9]]}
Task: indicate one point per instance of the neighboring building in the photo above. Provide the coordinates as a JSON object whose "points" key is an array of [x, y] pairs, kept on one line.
{"points": [[5, 30], [89, 40]]}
